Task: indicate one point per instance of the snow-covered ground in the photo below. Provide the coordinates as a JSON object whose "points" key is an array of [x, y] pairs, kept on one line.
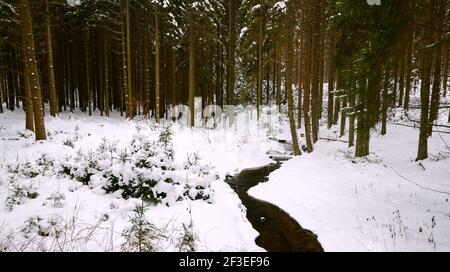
{"points": [[91, 220], [385, 202]]}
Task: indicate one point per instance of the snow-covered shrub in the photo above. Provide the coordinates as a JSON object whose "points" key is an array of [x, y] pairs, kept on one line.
{"points": [[199, 178], [24, 134], [141, 235], [45, 164], [186, 240], [83, 166], [150, 173], [23, 170], [165, 138], [43, 227], [69, 142], [17, 194], [55, 200], [144, 169]]}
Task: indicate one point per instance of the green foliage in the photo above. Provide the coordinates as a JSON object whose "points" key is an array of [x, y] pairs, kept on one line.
{"points": [[18, 193], [141, 235]]}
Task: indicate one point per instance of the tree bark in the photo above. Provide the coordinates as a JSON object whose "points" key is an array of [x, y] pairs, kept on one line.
{"points": [[191, 64], [259, 72], [289, 71], [157, 68], [306, 75], [31, 68], [50, 66]]}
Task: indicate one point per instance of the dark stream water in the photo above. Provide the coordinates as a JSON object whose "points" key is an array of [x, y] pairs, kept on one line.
{"points": [[278, 231]]}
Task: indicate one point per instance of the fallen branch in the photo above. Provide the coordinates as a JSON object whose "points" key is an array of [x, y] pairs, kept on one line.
{"points": [[333, 140], [429, 124], [412, 126], [417, 184]]}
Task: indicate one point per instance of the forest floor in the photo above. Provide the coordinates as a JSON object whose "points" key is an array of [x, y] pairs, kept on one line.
{"points": [[49, 211], [385, 202]]}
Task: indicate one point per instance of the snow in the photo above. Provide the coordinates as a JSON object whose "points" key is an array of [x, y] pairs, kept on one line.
{"points": [[385, 202], [82, 209]]}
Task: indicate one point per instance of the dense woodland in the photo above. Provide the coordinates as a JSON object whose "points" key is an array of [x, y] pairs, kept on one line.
{"points": [[141, 57]]}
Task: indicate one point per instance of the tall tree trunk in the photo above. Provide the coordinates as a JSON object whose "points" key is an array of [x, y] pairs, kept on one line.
{"points": [[278, 72], [330, 115], [191, 64], [131, 104], [422, 152], [89, 90], [28, 102], [401, 85], [446, 71], [1, 92], [31, 68], [363, 131], [174, 77], [50, 66], [106, 73], [28, 106], [426, 57], [435, 93], [351, 126], [146, 66], [385, 101], [259, 75], [231, 51], [289, 70], [343, 117], [124, 99], [409, 52], [306, 74], [315, 81], [157, 68]]}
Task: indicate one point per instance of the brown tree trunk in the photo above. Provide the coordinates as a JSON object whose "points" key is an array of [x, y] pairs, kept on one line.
{"points": [[306, 73], [385, 101], [426, 57], [363, 131], [157, 68], [174, 77], [50, 66], [408, 78], [31, 68], [1, 92], [191, 64], [89, 90], [315, 80], [259, 72], [146, 66], [106, 73], [231, 51], [437, 71], [330, 115], [289, 69]]}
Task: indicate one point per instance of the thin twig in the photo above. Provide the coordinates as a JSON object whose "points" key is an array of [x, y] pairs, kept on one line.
{"points": [[417, 184]]}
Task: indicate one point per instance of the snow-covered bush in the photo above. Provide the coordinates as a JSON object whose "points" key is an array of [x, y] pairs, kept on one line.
{"points": [[43, 227], [23, 170], [141, 235], [83, 166], [18, 192], [55, 200], [145, 169]]}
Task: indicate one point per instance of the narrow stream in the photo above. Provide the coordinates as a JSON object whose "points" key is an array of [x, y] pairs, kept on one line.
{"points": [[278, 231]]}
